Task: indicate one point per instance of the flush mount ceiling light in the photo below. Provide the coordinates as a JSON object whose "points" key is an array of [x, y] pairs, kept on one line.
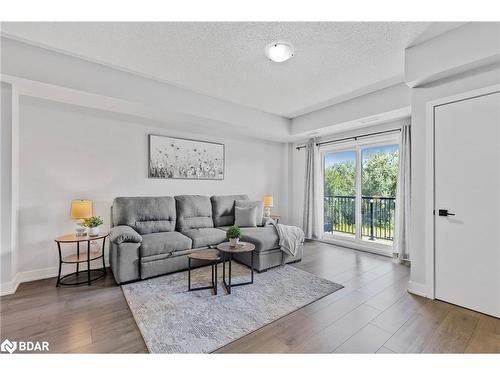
{"points": [[279, 52]]}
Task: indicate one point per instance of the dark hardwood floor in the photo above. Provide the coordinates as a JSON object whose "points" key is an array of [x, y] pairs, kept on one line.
{"points": [[373, 313]]}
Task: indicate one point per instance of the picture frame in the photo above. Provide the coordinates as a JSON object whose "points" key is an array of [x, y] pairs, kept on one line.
{"points": [[184, 158]]}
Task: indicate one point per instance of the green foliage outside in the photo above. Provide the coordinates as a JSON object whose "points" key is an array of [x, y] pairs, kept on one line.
{"points": [[340, 179], [379, 176]]}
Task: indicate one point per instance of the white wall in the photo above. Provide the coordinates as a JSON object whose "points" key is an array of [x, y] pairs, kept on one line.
{"points": [[465, 48], [386, 104], [420, 97], [67, 152]]}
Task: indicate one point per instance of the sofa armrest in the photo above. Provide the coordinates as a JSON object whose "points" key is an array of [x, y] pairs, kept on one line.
{"points": [[124, 233]]}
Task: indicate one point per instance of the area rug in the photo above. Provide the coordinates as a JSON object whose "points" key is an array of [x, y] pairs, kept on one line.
{"points": [[173, 320]]}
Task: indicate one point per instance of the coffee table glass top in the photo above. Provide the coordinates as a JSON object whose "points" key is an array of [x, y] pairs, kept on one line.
{"points": [[242, 247]]}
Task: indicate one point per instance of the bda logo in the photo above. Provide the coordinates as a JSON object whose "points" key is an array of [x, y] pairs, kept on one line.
{"points": [[8, 346], [24, 346]]}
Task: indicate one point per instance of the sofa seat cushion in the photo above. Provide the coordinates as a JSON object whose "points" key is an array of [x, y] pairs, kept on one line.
{"points": [[204, 237], [264, 238], [163, 242]]}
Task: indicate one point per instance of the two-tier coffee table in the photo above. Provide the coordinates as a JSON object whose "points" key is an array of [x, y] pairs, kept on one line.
{"points": [[227, 254]]}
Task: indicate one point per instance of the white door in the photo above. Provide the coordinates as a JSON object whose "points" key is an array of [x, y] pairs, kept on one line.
{"points": [[467, 184]]}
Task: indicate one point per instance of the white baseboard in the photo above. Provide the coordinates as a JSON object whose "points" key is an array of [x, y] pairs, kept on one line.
{"points": [[23, 277], [10, 287], [418, 289]]}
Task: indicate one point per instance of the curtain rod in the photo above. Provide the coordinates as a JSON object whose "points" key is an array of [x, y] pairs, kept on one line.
{"points": [[352, 137]]}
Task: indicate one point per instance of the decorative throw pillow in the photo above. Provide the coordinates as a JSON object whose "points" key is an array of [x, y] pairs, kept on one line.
{"points": [[257, 204], [245, 217]]}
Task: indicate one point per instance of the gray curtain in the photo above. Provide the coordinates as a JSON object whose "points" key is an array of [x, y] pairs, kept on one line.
{"points": [[403, 197], [311, 219]]}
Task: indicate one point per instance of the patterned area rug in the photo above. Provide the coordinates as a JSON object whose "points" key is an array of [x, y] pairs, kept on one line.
{"points": [[173, 320]]}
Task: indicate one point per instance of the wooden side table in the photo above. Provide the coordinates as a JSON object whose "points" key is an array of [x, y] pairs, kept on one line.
{"points": [[210, 256], [227, 252], [85, 257], [276, 218]]}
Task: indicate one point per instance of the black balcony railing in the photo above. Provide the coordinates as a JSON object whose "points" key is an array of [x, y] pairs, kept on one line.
{"points": [[377, 216]]}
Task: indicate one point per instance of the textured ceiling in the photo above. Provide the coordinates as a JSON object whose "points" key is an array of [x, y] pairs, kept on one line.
{"points": [[332, 61]]}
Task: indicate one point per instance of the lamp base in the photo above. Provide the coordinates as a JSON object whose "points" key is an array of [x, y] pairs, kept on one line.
{"points": [[267, 211], [80, 230]]}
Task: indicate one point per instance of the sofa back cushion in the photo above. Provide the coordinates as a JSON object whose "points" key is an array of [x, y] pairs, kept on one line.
{"points": [[145, 214], [259, 206], [223, 208], [193, 212], [245, 216]]}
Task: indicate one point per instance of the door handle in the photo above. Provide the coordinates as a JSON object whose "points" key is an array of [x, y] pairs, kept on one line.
{"points": [[445, 213]]}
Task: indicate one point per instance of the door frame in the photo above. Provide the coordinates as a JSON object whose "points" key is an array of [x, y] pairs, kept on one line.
{"points": [[356, 146], [430, 218]]}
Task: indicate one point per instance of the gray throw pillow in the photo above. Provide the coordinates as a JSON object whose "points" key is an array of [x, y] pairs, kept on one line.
{"points": [[257, 204], [245, 217]]}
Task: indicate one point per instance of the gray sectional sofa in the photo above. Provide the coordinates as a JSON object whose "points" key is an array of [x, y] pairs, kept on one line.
{"points": [[152, 236]]}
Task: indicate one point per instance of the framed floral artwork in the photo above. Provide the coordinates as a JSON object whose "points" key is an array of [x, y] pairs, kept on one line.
{"points": [[171, 157]]}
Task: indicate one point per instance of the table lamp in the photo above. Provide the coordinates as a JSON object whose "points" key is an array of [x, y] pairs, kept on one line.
{"points": [[81, 209], [267, 202]]}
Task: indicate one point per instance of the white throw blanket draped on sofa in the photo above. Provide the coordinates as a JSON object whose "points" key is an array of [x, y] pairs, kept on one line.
{"points": [[291, 238]]}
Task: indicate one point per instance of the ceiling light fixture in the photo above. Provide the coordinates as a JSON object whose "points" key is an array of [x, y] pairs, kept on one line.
{"points": [[279, 52]]}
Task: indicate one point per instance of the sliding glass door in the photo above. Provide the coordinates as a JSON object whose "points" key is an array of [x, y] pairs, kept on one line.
{"points": [[359, 192], [340, 193], [379, 173]]}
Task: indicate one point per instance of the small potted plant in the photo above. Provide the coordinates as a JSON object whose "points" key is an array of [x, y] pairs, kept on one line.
{"points": [[93, 224], [233, 234]]}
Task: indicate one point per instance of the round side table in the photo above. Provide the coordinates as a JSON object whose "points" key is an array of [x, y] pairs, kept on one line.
{"points": [[210, 256], [84, 257], [227, 253]]}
